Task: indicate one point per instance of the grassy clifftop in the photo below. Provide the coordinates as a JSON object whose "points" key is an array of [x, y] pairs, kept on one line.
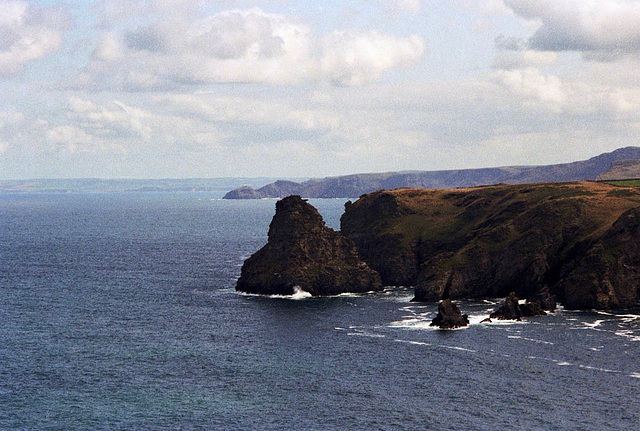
{"points": [[574, 238]]}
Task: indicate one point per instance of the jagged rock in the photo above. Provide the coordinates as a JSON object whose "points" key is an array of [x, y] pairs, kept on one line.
{"points": [[508, 310], [303, 253], [449, 316]]}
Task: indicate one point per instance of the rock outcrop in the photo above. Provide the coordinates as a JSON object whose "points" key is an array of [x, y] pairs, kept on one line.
{"points": [[509, 309], [302, 253], [449, 316], [577, 241]]}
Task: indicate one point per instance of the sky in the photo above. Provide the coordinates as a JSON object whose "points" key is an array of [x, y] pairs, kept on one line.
{"points": [[277, 88]]}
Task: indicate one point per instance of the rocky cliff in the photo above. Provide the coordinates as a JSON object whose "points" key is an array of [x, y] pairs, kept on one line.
{"points": [[303, 253], [355, 185], [579, 241]]}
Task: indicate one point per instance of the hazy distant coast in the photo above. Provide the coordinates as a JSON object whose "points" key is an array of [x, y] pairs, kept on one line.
{"points": [[94, 185], [352, 186]]}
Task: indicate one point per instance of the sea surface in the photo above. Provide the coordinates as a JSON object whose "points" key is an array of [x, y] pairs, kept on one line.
{"points": [[118, 312]]}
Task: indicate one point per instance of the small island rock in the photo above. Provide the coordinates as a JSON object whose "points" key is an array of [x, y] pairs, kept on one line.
{"points": [[302, 253], [449, 316]]}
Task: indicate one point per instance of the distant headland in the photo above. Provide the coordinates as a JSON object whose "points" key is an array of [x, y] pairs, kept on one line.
{"points": [[619, 164]]}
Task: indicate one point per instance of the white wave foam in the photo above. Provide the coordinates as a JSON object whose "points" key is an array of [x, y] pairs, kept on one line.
{"points": [[416, 343], [635, 375], [412, 323], [462, 349], [533, 340], [367, 334], [604, 370], [358, 331], [631, 335], [594, 324], [478, 319], [498, 322], [297, 295]]}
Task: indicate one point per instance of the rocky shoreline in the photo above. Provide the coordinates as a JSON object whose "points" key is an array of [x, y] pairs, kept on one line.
{"points": [[579, 242]]}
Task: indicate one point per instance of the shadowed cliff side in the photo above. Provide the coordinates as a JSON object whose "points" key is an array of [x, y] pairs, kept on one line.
{"points": [[302, 253], [578, 240]]}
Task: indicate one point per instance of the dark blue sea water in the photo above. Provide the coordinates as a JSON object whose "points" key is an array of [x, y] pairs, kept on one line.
{"points": [[118, 312]]}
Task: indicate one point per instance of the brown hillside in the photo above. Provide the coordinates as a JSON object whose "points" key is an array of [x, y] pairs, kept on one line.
{"points": [[621, 170]]}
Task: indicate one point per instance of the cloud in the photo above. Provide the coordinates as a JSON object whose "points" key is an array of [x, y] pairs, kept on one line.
{"points": [[531, 84], [70, 139], [523, 59], [410, 6], [115, 120], [354, 57], [27, 33], [11, 122], [579, 25], [244, 46]]}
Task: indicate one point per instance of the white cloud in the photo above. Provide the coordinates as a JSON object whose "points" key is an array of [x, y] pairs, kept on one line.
{"points": [[579, 25], [244, 46], [115, 120], [411, 6], [11, 122], [533, 85], [27, 33], [70, 139], [573, 96], [524, 59], [354, 58]]}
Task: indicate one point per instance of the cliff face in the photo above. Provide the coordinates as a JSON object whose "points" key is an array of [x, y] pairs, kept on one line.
{"points": [[303, 253], [579, 240]]}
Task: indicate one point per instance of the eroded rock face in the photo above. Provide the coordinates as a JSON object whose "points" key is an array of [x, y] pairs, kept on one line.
{"points": [[606, 275], [303, 253], [449, 316], [579, 241]]}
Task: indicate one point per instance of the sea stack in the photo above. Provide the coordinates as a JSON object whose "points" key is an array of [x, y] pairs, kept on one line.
{"points": [[449, 316], [302, 253]]}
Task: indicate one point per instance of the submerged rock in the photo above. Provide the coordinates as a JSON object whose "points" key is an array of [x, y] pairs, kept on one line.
{"points": [[303, 254], [449, 316], [532, 308]]}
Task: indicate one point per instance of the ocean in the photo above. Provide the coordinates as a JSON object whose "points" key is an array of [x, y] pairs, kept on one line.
{"points": [[118, 312]]}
